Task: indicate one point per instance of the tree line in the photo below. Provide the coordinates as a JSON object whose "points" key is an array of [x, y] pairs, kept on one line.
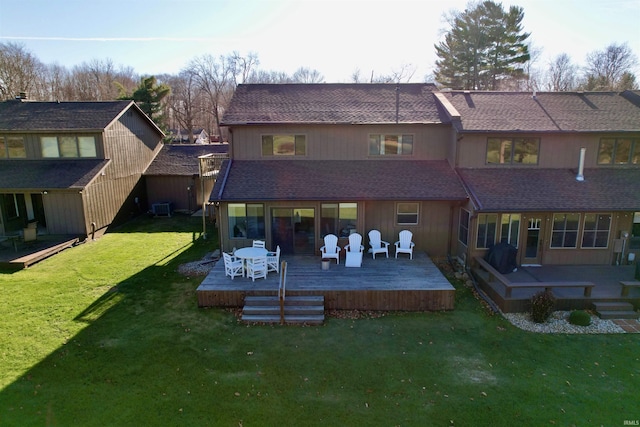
{"points": [[484, 48]]}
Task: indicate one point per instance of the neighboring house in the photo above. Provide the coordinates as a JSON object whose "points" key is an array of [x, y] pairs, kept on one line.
{"points": [[462, 170], [182, 136], [519, 156], [174, 176], [312, 159], [72, 166]]}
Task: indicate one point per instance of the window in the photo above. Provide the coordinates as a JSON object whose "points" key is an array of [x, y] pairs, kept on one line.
{"points": [[619, 151], [486, 230], [12, 147], [388, 145], [407, 214], [565, 230], [338, 218], [68, 146], [596, 230], [284, 145], [510, 229], [246, 221], [10, 204], [463, 226], [522, 151]]}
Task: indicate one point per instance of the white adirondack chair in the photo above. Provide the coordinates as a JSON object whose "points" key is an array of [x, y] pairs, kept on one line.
{"points": [[404, 244], [331, 248], [354, 251], [232, 266], [378, 246], [273, 260], [257, 268], [259, 244]]}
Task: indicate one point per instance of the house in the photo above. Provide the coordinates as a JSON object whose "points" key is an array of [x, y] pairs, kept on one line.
{"points": [[173, 177], [309, 160], [557, 175], [181, 136], [72, 166]]}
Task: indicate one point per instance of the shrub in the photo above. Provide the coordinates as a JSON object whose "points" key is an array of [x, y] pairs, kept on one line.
{"points": [[542, 305], [580, 318]]}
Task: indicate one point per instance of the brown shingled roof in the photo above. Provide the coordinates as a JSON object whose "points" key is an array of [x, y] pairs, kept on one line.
{"points": [[533, 189], [182, 159], [52, 174], [337, 180], [333, 103], [546, 111]]}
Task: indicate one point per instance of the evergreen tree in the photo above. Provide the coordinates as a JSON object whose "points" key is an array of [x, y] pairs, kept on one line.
{"points": [[484, 46], [149, 95]]}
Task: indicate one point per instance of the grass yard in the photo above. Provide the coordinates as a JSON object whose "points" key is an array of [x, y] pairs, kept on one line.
{"points": [[109, 334]]}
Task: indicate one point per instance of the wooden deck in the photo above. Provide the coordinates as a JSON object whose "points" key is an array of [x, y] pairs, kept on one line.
{"points": [[607, 283], [16, 255], [380, 284]]}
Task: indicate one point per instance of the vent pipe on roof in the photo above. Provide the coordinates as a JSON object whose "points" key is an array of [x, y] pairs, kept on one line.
{"points": [[580, 176]]}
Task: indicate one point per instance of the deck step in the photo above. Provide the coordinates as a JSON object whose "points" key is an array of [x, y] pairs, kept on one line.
{"points": [[615, 310], [305, 309]]}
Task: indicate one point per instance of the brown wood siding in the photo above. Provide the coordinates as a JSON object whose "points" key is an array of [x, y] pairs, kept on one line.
{"points": [[174, 189], [64, 213], [343, 142], [556, 150]]}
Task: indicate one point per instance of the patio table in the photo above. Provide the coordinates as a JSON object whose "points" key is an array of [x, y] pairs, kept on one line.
{"points": [[250, 253]]}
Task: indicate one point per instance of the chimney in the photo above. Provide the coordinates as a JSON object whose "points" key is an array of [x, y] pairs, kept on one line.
{"points": [[580, 176]]}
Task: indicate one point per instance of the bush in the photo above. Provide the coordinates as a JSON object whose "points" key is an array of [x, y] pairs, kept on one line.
{"points": [[542, 305], [580, 318]]}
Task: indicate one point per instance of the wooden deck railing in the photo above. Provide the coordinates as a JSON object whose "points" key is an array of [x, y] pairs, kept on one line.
{"points": [[282, 289], [495, 275]]}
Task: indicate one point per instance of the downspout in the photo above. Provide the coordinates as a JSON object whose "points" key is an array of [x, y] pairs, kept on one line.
{"points": [[580, 176], [217, 203]]}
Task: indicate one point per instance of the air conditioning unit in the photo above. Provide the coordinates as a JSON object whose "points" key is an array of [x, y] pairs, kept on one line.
{"points": [[161, 209]]}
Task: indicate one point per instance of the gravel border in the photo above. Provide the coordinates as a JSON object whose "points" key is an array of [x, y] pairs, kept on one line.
{"points": [[558, 323]]}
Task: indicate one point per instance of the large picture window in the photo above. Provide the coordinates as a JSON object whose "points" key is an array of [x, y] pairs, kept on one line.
{"points": [[516, 151], [284, 145], [565, 230], [407, 213], [390, 145], [595, 233], [12, 147], [246, 221], [338, 218], [487, 225], [68, 146], [463, 226], [619, 151]]}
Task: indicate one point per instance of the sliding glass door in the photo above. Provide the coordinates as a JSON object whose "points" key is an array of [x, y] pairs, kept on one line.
{"points": [[294, 230]]}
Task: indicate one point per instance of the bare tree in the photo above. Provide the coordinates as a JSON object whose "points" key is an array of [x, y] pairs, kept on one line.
{"points": [[244, 66], [605, 68], [185, 102], [19, 70], [307, 75], [561, 75]]}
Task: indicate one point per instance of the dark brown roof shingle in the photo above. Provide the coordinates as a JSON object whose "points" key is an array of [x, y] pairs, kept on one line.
{"points": [[534, 189], [49, 174], [182, 159], [338, 180], [334, 103]]}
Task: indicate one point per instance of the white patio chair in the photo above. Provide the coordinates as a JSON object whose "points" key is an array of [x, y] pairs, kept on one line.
{"points": [[232, 266], [405, 245], [259, 244], [273, 260], [257, 268], [378, 246], [331, 248], [354, 251]]}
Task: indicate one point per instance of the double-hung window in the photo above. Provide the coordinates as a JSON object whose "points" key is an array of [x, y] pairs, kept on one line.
{"points": [[284, 145], [595, 233], [407, 213], [565, 230], [390, 144], [513, 151]]}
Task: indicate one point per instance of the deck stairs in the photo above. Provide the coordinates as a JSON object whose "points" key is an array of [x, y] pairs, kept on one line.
{"points": [[303, 309], [615, 310]]}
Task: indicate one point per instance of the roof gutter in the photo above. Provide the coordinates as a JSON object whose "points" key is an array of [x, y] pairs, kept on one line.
{"points": [[224, 180]]}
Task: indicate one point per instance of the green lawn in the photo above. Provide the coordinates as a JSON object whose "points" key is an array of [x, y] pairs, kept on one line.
{"points": [[109, 334]]}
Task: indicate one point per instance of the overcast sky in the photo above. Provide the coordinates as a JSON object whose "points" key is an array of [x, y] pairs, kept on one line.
{"points": [[333, 37]]}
